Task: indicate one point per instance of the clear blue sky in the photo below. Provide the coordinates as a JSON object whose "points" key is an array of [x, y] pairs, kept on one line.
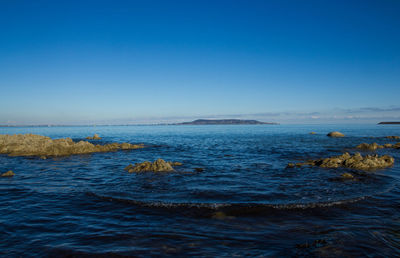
{"points": [[150, 61]]}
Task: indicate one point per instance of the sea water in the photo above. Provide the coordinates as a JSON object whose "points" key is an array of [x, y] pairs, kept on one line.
{"points": [[245, 202]]}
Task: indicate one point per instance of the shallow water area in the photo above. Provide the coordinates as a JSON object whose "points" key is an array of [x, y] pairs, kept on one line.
{"points": [[244, 202]]}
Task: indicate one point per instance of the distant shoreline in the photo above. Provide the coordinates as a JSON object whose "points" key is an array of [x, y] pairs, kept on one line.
{"points": [[195, 122], [225, 122], [389, 123]]}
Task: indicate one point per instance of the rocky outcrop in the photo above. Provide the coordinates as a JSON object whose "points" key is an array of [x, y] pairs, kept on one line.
{"points": [[356, 161], [375, 146], [159, 165], [370, 147], [393, 137], [8, 174], [42, 146], [388, 145], [94, 137], [335, 134]]}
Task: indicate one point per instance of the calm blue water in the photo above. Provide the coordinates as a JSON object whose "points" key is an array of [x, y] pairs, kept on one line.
{"points": [[244, 203]]}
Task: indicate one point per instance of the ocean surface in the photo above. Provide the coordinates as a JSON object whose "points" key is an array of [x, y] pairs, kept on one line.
{"points": [[244, 203]]}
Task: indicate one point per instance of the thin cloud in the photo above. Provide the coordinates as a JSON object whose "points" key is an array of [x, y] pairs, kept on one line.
{"points": [[372, 109]]}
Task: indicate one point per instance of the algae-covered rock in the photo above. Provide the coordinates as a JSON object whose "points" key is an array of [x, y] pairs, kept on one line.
{"points": [[290, 165], [335, 134], [42, 146], [313, 133], [396, 146], [94, 137], [347, 176], [8, 174], [370, 147], [375, 146], [157, 166], [356, 161], [395, 137], [174, 163]]}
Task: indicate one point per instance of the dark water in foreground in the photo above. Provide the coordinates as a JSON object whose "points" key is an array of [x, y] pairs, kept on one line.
{"points": [[244, 203]]}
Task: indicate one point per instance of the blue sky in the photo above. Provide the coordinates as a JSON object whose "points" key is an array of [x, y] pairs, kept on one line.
{"points": [[83, 62]]}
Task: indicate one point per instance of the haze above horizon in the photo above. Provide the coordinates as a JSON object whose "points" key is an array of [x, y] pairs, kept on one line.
{"points": [[121, 62]]}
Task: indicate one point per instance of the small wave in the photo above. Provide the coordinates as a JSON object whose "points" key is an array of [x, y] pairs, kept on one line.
{"points": [[218, 206], [237, 208]]}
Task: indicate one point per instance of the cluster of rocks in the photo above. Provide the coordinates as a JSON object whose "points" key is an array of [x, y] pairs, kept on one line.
{"points": [[375, 146], [159, 165], [42, 146], [8, 174], [346, 160], [94, 137], [394, 137]]}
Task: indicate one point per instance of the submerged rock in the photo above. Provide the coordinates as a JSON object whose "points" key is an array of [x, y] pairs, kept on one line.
{"points": [[8, 174], [174, 163], [157, 166], [221, 215], [95, 137], [356, 161], [347, 176], [290, 165], [335, 134], [395, 137], [313, 133], [42, 146]]}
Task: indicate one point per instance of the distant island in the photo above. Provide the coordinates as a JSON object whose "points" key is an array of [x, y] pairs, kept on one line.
{"points": [[389, 123], [225, 122]]}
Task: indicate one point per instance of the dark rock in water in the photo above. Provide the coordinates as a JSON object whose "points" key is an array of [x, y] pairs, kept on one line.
{"points": [[8, 174], [199, 169], [157, 166], [356, 161], [42, 146], [393, 137], [290, 165], [335, 134], [95, 137], [221, 215]]}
